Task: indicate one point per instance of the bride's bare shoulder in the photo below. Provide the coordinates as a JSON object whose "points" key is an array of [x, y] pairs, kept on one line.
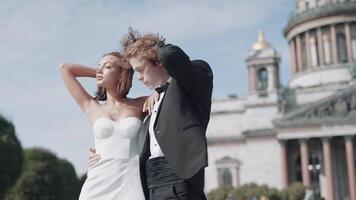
{"points": [[140, 100], [136, 103]]}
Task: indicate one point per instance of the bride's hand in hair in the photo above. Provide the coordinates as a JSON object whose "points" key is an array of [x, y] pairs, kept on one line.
{"points": [[150, 102]]}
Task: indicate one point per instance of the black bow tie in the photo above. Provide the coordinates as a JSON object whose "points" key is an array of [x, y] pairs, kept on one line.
{"points": [[162, 88]]}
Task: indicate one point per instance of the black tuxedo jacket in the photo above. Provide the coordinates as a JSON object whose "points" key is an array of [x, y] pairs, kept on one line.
{"points": [[183, 116]]}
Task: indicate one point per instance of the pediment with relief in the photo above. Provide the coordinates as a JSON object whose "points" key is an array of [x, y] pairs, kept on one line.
{"points": [[337, 108], [228, 160]]}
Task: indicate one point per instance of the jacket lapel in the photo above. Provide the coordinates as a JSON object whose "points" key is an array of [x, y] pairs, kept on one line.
{"points": [[143, 136], [163, 105]]}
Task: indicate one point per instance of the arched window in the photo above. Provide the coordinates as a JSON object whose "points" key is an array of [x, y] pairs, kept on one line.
{"points": [[341, 47], [226, 177], [228, 172], [262, 79]]}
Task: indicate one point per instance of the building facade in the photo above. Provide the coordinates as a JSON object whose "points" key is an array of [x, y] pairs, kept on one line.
{"points": [[303, 132]]}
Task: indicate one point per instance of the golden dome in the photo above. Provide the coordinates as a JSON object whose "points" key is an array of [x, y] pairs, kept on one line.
{"points": [[261, 43]]}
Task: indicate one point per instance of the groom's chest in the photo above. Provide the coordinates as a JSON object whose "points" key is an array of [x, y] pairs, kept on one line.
{"points": [[157, 108]]}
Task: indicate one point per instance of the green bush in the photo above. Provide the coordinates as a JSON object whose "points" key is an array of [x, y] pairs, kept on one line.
{"points": [[11, 156], [219, 193], [250, 191], [294, 192], [44, 177]]}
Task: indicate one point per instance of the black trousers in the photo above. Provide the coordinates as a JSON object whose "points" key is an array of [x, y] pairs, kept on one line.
{"points": [[164, 184]]}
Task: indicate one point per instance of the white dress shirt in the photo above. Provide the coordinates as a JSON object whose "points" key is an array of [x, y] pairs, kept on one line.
{"points": [[155, 149]]}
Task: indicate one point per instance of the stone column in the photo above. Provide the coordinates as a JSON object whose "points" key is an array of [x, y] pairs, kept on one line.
{"points": [[284, 162], [327, 48], [237, 169], [353, 41], [304, 156], [350, 155], [272, 77], [334, 44], [328, 168], [293, 56], [251, 79], [348, 42], [299, 54], [320, 46], [314, 52], [234, 175]]}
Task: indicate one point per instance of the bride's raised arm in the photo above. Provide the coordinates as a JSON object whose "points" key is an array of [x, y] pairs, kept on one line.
{"points": [[69, 73]]}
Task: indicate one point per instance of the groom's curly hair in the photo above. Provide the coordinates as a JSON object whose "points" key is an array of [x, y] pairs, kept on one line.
{"points": [[141, 46], [125, 79]]}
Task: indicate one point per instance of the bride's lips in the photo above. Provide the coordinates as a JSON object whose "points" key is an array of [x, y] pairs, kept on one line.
{"points": [[99, 77]]}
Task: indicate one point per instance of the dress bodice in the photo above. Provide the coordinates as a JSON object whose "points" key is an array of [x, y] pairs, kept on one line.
{"points": [[116, 175], [116, 139]]}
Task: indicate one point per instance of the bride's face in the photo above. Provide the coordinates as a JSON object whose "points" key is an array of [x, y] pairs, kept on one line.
{"points": [[108, 71]]}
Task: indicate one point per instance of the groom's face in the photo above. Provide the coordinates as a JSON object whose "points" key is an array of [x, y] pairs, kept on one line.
{"points": [[147, 73]]}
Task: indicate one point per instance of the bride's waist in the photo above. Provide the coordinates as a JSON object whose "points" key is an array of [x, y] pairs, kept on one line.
{"points": [[108, 159], [118, 151], [114, 163], [113, 156]]}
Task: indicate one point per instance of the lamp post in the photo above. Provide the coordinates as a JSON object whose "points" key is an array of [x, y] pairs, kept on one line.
{"points": [[314, 168]]}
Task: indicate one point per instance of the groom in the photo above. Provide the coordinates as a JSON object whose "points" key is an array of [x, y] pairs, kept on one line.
{"points": [[172, 141]]}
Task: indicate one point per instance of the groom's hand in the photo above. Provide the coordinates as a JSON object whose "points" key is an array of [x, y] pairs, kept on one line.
{"points": [[150, 102], [93, 158]]}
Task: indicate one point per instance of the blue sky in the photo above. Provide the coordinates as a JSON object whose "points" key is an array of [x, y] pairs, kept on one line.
{"points": [[36, 36]]}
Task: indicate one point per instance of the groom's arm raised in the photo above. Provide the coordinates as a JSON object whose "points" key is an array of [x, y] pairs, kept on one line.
{"points": [[180, 67], [196, 79]]}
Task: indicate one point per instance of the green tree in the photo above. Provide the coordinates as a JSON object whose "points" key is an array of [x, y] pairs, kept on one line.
{"points": [[44, 177], [71, 184], [11, 156], [82, 180]]}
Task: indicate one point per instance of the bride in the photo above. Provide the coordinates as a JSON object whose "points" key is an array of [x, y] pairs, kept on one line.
{"points": [[116, 124]]}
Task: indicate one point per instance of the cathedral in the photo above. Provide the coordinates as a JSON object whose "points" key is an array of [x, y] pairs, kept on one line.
{"points": [[305, 131]]}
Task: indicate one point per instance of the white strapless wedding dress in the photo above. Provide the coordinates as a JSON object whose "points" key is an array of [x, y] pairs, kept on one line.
{"points": [[116, 176]]}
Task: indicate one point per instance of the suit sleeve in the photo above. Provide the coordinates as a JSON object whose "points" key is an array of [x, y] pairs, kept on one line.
{"points": [[179, 66]]}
